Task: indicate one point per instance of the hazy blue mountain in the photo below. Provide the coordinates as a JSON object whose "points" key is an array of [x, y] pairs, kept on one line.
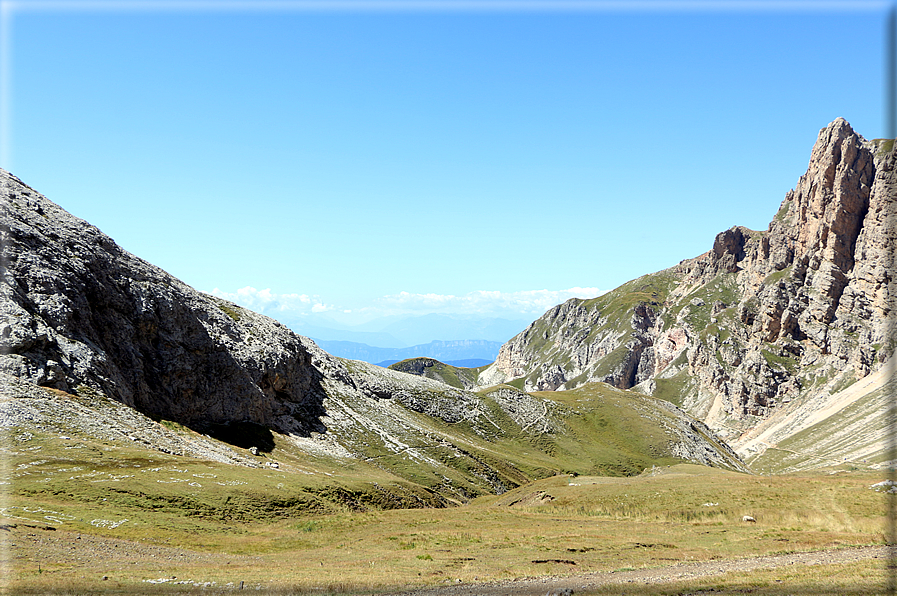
{"points": [[468, 363], [342, 333], [444, 351], [426, 328], [401, 332]]}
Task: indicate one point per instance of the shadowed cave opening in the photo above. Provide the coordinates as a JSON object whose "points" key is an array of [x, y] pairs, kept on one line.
{"points": [[243, 435]]}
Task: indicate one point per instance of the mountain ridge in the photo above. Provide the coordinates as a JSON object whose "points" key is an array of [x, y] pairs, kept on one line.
{"points": [[403, 331], [761, 321]]}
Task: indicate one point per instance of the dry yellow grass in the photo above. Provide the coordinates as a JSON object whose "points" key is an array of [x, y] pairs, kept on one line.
{"points": [[561, 525]]}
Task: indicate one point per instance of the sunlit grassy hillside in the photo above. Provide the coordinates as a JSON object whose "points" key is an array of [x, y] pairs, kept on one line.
{"points": [[593, 483], [559, 525]]}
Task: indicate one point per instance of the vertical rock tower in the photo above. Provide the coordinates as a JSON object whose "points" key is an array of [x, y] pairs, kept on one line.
{"points": [[761, 319]]}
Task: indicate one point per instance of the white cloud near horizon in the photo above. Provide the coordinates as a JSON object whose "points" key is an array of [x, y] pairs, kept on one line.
{"points": [[266, 301], [495, 303], [524, 302]]}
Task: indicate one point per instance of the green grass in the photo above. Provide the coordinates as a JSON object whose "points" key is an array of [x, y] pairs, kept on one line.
{"points": [[598, 433], [783, 211], [602, 490], [823, 444], [612, 311], [673, 389], [780, 361], [175, 426], [722, 288], [883, 146], [611, 362], [518, 383], [775, 276], [604, 434], [227, 308], [612, 315], [617, 305], [846, 381]]}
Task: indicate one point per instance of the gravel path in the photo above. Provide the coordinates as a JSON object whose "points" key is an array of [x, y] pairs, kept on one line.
{"points": [[660, 575]]}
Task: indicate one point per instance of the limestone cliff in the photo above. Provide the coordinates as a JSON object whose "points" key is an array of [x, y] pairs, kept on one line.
{"points": [[80, 311], [760, 320]]}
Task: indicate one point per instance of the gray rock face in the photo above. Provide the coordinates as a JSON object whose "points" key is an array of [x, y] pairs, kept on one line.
{"points": [[99, 417], [760, 319], [77, 310]]}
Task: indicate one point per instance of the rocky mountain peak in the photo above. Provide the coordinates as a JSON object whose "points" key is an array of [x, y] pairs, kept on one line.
{"points": [[761, 319], [824, 213], [728, 249], [79, 311]]}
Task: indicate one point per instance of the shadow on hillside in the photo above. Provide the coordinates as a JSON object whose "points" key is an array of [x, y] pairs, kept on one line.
{"points": [[244, 435]]}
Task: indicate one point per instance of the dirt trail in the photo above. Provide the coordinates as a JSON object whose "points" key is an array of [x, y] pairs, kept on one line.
{"points": [[97, 555], [660, 575]]}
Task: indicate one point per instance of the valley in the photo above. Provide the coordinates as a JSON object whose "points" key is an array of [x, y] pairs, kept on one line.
{"points": [[736, 406], [153, 523]]}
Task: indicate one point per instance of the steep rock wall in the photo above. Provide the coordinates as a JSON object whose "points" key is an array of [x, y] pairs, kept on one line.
{"points": [[77, 310], [756, 322]]}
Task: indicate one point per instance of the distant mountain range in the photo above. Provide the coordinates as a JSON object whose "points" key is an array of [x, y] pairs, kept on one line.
{"points": [[467, 351], [403, 332], [349, 336]]}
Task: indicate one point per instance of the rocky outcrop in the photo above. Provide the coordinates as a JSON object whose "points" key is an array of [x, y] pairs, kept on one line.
{"points": [[814, 289], [760, 320], [834, 232], [460, 377], [80, 311], [415, 366]]}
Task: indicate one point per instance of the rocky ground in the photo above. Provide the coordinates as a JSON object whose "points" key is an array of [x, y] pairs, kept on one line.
{"points": [[99, 559], [94, 416]]}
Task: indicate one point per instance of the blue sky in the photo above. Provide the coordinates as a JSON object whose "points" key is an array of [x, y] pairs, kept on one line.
{"points": [[492, 160]]}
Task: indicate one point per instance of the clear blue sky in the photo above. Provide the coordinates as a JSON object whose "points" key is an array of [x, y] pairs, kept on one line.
{"points": [[343, 157]]}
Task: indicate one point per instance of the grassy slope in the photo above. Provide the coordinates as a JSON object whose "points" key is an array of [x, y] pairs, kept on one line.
{"points": [[79, 478], [853, 437], [604, 430], [325, 521], [588, 523], [454, 376]]}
